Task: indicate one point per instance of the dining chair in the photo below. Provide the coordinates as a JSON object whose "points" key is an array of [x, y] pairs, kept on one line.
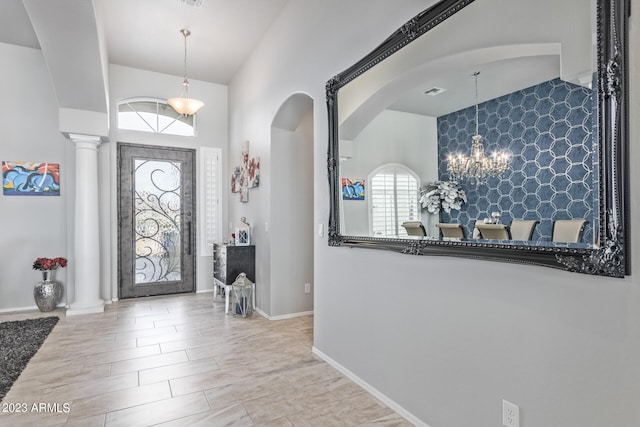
{"points": [[476, 232], [522, 229], [414, 228], [493, 231], [450, 230], [568, 230]]}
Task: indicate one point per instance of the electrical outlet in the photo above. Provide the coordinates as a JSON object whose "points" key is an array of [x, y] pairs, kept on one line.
{"points": [[307, 288], [510, 414]]}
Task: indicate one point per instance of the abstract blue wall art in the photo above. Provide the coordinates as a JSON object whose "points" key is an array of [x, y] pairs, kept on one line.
{"points": [[352, 189], [30, 179]]}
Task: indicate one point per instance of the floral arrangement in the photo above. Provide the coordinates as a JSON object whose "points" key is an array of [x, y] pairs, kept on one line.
{"points": [[445, 195], [43, 264]]}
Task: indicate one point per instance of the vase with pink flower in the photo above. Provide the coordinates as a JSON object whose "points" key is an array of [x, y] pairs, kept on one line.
{"points": [[48, 292]]}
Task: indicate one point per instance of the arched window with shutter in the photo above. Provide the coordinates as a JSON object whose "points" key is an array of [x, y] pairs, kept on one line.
{"points": [[394, 190]]}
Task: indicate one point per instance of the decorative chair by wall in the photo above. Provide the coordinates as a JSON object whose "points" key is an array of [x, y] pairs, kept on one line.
{"points": [[450, 230], [414, 228], [568, 230], [522, 229]]}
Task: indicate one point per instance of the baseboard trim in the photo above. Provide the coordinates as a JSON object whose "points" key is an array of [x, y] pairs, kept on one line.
{"points": [[368, 387], [28, 308], [283, 316]]}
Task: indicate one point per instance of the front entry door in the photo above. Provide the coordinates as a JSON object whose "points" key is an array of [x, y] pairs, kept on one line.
{"points": [[156, 211]]}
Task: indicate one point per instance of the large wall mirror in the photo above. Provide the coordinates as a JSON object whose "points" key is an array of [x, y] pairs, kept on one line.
{"points": [[489, 129]]}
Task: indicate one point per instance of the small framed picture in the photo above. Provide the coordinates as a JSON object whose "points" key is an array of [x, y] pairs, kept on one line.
{"points": [[242, 236]]}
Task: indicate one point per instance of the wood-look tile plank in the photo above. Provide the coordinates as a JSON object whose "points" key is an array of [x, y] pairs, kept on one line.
{"points": [[143, 333], [40, 379], [148, 362], [167, 337], [249, 389], [119, 355], [178, 370], [64, 393], [121, 399], [193, 383], [158, 412], [232, 416]]}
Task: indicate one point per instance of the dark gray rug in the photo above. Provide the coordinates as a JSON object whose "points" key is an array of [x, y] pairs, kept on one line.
{"points": [[19, 341]]}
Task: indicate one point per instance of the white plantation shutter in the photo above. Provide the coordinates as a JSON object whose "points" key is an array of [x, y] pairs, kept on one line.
{"points": [[393, 199], [210, 178]]}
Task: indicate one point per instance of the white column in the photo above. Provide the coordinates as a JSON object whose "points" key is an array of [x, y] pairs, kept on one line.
{"points": [[86, 229]]}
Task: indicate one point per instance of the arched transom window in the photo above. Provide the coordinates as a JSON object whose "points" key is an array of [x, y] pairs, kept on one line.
{"points": [[155, 116], [394, 199]]}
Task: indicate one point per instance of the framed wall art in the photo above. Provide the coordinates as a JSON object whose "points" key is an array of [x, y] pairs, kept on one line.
{"points": [[30, 179]]}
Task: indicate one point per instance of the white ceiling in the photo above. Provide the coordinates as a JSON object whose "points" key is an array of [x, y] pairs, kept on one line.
{"points": [[145, 34]]}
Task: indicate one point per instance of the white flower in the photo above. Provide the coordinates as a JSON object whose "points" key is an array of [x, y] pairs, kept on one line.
{"points": [[439, 195]]}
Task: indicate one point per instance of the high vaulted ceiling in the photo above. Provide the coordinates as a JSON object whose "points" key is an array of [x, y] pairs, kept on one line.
{"points": [[145, 34]]}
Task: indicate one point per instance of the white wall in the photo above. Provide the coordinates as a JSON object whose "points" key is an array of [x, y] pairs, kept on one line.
{"points": [[31, 227], [392, 137], [446, 339], [126, 82]]}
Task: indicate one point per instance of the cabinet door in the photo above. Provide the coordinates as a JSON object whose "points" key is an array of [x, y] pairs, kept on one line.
{"points": [[241, 259]]}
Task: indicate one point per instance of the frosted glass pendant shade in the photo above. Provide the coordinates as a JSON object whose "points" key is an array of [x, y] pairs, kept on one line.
{"points": [[185, 106]]}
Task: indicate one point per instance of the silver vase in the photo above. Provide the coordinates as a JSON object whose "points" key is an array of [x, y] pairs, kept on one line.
{"points": [[47, 293]]}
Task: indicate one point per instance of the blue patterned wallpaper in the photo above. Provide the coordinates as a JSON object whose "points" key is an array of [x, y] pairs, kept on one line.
{"points": [[548, 129]]}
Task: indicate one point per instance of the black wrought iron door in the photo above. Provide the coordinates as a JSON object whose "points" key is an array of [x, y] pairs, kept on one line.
{"points": [[156, 227]]}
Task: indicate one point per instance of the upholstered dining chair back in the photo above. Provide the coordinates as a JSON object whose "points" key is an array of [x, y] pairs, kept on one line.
{"points": [[493, 231], [476, 232], [522, 229], [568, 230], [450, 230], [414, 228]]}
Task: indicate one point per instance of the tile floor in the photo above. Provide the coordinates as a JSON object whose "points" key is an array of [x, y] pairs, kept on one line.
{"points": [[179, 361]]}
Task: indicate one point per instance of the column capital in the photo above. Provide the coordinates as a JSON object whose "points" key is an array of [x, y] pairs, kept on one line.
{"points": [[78, 137]]}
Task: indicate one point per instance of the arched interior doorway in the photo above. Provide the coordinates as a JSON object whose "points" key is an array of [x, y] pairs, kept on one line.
{"points": [[291, 235]]}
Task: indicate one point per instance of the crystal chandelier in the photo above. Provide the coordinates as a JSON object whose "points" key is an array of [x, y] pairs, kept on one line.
{"points": [[477, 167], [183, 104]]}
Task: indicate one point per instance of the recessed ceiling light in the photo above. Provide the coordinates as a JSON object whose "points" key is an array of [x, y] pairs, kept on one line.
{"points": [[434, 91], [193, 3]]}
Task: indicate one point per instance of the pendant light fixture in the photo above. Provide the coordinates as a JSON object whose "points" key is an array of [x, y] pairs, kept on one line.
{"points": [[477, 167], [185, 105]]}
